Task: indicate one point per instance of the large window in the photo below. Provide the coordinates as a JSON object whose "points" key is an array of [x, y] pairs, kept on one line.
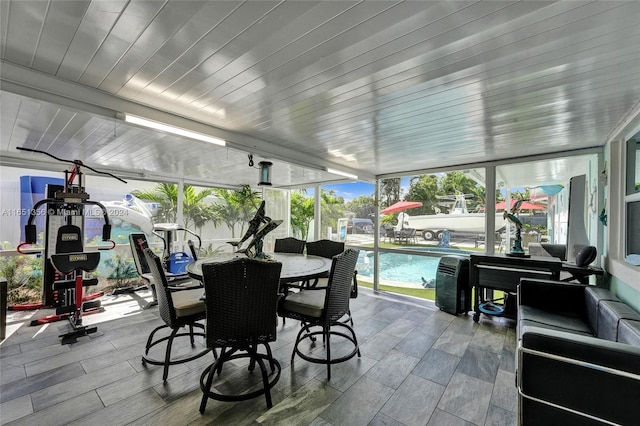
{"points": [[632, 198]]}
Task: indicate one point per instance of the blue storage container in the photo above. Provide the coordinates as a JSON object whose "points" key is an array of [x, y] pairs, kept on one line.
{"points": [[178, 262]]}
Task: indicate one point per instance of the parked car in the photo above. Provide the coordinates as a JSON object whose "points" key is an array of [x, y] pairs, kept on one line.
{"points": [[360, 226]]}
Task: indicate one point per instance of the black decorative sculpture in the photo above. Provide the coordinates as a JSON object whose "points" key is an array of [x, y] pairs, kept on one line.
{"points": [[259, 227]]}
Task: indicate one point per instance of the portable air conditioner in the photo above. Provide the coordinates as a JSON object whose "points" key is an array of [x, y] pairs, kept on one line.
{"points": [[453, 294]]}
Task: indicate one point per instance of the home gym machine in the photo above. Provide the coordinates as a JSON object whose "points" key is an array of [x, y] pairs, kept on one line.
{"points": [[65, 260]]}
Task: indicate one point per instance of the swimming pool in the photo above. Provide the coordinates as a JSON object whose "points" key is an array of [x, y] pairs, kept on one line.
{"points": [[405, 270]]}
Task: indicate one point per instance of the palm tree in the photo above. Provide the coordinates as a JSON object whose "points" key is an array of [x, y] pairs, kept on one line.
{"points": [[240, 206], [196, 211]]}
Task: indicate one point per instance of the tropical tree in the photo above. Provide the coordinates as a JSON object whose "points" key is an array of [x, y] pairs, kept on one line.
{"points": [[239, 208], [456, 182], [332, 208], [363, 206], [302, 213], [196, 211], [389, 191], [424, 189]]}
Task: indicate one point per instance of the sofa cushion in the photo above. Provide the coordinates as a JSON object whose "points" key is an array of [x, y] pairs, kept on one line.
{"points": [[629, 332], [528, 315], [609, 315], [593, 297]]}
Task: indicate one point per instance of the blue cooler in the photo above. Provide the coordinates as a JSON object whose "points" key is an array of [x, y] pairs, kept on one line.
{"points": [[178, 262]]}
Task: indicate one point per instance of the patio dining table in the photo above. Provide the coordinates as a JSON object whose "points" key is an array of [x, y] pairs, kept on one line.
{"points": [[295, 267]]}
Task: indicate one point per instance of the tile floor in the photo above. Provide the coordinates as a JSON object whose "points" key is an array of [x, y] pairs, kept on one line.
{"points": [[419, 366]]}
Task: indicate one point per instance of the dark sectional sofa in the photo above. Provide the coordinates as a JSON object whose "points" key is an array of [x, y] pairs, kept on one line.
{"points": [[578, 358]]}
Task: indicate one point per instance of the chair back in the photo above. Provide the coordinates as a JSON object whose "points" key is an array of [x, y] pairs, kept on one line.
{"points": [[192, 248], [339, 285], [325, 248], [165, 302], [289, 245], [241, 301], [138, 243]]}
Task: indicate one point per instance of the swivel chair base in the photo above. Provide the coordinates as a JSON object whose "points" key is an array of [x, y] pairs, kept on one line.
{"points": [[206, 379]]}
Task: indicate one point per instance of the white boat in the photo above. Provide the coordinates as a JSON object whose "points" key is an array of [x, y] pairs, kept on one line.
{"points": [[458, 220]]}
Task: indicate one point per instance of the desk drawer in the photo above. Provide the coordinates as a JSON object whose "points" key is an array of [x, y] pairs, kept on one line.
{"points": [[507, 278]]}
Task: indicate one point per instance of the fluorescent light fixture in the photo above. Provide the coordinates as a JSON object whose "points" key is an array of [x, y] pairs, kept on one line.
{"points": [[345, 174], [174, 130]]}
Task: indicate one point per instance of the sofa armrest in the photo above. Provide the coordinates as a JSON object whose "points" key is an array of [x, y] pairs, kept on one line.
{"points": [[552, 296], [567, 376]]}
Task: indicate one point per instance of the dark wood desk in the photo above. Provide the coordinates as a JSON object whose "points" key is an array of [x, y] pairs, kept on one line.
{"points": [[295, 267], [582, 273], [502, 272]]}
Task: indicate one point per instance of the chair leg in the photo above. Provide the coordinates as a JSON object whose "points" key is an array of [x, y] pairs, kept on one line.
{"points": [[150, 339], [327, 337], [167, 358], [193, 343], [207, 388]]}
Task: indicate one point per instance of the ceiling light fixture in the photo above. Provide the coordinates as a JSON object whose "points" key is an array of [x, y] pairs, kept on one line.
{"points": [[345, 174], [171, 129]]}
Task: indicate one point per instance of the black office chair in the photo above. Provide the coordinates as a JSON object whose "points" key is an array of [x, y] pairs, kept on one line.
{"points": [[324, 307], [289, 245], [241, 301], [177, 309]]}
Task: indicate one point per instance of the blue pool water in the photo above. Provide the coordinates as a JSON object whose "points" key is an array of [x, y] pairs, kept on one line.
{"points": [[404, 268]]}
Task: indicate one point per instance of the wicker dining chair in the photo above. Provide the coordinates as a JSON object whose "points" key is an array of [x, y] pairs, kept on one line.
{"points": [[328, 249], [324, 307], [241, 303], [177, 309], [289, 245]]}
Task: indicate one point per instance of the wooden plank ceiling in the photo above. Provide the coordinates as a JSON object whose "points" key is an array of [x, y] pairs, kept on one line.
{"points": [[371, 88]]}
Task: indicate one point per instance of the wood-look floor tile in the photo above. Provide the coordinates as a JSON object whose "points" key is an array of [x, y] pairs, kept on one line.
{"points": [[414, 401], [185, 411], [124, 388], [345, 374], [442, 418], [9, 350], [434, 326], [10, 374], [368, 328], [400, 327], [301, 407], [393, 369], [382, 420], [508, 358], [500, 417], [71, 388], [40, 381], [418, 315], [109, 358], [69, 357], [359, 404], [63, 413], [437, 366], [451, 342], [488, 340], [480, 364], [379, 345], [35, 355], [15, 408], [393, 335], [389, 314], [467, 397], [416, 344], [124, 412], [505, 393]]}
